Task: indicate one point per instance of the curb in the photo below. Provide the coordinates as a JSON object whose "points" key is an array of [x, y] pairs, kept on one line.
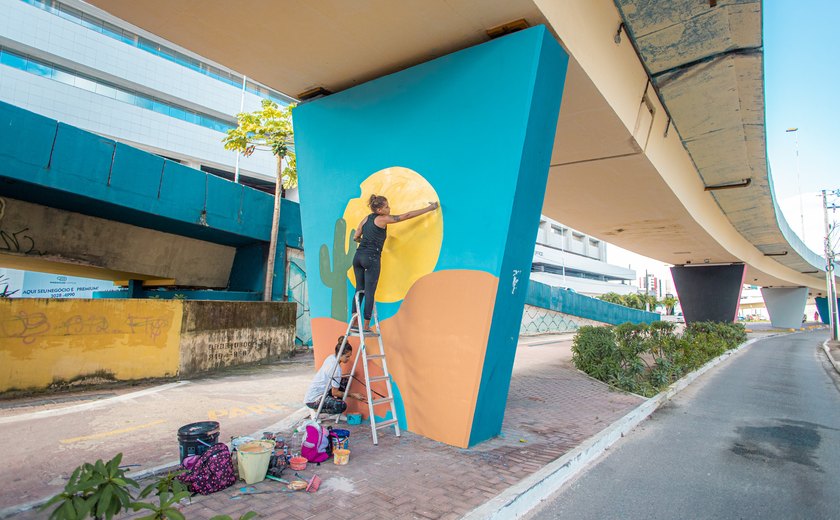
{"points": [[283, 424], [834, 363], [524, 496]]}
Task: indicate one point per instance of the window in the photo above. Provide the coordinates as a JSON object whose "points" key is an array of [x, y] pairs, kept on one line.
{"points": [[112, 31], [58, 73]]}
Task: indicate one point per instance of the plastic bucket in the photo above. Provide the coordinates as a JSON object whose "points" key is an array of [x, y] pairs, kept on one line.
{"points": [[340, 439], [196, 438], [341, 457], [298, 463], [252, 459]]}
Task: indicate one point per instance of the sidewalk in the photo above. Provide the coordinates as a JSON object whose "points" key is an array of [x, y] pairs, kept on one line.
{"points": [[551, 409], [832, 350]]}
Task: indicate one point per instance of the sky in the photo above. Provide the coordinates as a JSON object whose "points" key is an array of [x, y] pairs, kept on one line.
{"points": [[801, 80]]}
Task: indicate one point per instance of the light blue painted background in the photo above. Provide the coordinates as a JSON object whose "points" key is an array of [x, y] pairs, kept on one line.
{"points": [[459, 121], [478, 125]]}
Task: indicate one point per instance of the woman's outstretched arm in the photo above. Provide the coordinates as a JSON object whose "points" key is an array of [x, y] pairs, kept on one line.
{"points": [[393, 219]]}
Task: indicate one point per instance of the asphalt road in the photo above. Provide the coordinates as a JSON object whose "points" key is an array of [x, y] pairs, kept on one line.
{"points": [[758, 437], [47, 436]]}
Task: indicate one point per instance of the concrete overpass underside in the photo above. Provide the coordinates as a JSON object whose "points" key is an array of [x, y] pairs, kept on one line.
{"points": [[660, 141]]}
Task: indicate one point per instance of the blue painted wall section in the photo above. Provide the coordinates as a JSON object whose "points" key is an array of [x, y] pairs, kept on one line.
{"points": [[546, 80], [57, 165], [568, 302], [822, 308], [61, 166]]}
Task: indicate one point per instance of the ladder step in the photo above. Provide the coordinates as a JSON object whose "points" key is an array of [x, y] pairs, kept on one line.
{"points": [[383, 424], [382, 401], [355, 333], [375, 356], [379, 378]]}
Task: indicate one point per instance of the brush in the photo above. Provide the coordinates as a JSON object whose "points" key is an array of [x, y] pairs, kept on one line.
{"points": [[313, 484]]}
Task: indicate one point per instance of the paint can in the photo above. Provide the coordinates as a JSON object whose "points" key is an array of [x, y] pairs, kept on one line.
{"points": [[341, 457], [340, 439], [196, 438]]}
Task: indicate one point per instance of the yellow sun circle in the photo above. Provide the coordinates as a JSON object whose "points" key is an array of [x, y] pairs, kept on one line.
{"points": [[413, 246]]}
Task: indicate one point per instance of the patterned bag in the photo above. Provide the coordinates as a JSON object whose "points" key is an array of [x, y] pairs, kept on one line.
{"points": [[212, 472]]}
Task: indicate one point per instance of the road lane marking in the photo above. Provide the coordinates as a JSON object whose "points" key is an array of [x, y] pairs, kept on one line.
{"points": [[112, 432], [89, 406], [257, 409]]}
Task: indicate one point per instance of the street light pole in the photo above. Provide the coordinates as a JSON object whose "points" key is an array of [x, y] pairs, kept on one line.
{"points": [[831, 287], [795, 132]]}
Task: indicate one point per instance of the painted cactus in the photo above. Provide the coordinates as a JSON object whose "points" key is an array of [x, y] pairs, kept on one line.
{"points": [[335, 277]]}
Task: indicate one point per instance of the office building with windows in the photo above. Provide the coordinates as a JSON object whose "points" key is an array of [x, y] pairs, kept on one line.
{"points": [[567, 258], [70, 61]]}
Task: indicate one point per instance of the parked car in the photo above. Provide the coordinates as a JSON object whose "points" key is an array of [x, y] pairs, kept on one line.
{"points": [[680, 318]]}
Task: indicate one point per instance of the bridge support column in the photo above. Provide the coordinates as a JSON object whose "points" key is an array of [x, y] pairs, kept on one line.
{"points": [[822, 308], [473, 130], [709, 292], [785, 305]]}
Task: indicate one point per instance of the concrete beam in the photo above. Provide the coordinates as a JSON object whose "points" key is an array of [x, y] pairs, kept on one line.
{"points": [[40, 238]]}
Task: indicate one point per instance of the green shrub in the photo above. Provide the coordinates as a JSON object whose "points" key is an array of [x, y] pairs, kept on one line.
{"points": [[101, 490], [621, 356]]}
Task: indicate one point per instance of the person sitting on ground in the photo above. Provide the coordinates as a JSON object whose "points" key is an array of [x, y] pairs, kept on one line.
{"points": [[333, 403]]}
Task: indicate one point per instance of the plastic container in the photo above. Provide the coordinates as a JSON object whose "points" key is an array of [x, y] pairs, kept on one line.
{"points": [[196, 438], [340, 439], [341, 457], [252, 459], [298, 463], [354, 418]]}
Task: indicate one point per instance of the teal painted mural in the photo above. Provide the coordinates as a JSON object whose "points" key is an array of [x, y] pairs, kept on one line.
{"points": [[453, 281]]}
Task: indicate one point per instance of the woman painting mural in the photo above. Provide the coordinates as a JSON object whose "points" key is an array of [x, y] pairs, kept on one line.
{"points": [[371, 234]]}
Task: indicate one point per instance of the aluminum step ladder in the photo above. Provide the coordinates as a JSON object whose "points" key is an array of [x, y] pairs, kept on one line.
{"points": [[366, 359]]}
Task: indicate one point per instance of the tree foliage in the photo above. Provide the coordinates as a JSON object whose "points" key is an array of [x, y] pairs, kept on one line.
{"points": [[267, 129], [634, 301]]}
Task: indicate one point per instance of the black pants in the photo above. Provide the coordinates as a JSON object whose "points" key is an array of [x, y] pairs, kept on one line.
{"points": [[366, 265], [332, 405]]}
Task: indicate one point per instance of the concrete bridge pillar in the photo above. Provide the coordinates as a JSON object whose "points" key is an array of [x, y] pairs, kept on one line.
{"points": [[786, 305], [709, 292], [473, 130]]}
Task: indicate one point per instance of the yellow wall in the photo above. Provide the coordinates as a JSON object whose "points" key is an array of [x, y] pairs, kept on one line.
{"points": [[44, 340]]}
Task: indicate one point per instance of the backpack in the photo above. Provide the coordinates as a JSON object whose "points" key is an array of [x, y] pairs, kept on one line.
{"points": [[213, 471], [315, 442]]}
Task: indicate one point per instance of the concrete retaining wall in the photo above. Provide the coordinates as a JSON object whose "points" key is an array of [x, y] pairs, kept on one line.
{"points": [[46, 342], [218, 334]]}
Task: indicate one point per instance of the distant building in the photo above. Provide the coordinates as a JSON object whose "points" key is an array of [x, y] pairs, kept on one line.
{"points": [[70, 61], [564, 257]]}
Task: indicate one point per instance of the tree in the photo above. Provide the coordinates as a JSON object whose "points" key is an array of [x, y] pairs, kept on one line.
{"points": [[669, 302], [268, 129]]}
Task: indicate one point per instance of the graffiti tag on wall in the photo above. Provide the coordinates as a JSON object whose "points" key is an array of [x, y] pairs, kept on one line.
{"points": [[28, 327], [15, 241]]}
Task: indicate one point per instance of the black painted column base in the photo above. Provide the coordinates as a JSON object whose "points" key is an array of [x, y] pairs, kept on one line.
{"points": [[709, 292]]}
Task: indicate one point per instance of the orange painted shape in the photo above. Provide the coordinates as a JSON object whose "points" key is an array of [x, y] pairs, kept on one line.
{"points": [[325, 333], [436, 345]]}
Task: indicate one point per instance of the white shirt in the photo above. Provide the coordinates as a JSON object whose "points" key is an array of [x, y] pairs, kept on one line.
{"points": [[322, 377]]}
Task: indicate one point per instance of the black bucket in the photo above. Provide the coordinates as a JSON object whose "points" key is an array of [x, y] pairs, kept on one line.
{"points": [[196, 438]]}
